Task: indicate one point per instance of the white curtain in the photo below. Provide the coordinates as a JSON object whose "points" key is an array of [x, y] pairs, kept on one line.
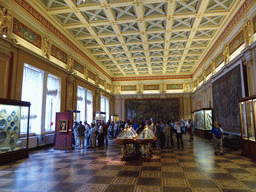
{"points": [[81, 103], [89, 107], [107, 109], [103, 104], [52, 101], [32, 88]]}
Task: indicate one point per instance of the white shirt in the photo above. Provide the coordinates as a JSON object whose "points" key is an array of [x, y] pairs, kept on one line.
{"points": [[177, 127]]}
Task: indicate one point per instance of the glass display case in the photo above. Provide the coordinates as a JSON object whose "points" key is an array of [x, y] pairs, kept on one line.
{"points": [[247, 108], [128, 133], [146, 134], [100, 116], [14, 122], [247, 116], [203, 119]]}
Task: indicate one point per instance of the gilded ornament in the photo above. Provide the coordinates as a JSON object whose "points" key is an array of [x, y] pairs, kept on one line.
{"points": [[226, 54], [70, 62], [247, 32], [47, 47], [5, 19]]}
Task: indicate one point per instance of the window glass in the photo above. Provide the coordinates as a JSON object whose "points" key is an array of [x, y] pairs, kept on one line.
{"points": [[81, 99], [52, 102], [107, 109], [89, 107], [32, 91]]}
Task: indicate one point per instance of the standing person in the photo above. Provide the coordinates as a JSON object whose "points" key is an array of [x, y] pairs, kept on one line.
{"points": [[105, 133], [135, 126], [158, 135], [75, 138], [217, 134], [80, 134], [87, 128], [116, 129], [162, 133], [100, 136], [179, 134], [93, 136], [167, 133], [190, 130]]}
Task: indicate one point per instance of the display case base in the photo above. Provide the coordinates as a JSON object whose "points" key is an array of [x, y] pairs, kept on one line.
{"points": [[249, 148], [13, 156], [205, 134]]}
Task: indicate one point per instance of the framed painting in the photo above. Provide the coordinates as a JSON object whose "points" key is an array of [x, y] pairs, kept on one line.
{"points": [[63, 126]]}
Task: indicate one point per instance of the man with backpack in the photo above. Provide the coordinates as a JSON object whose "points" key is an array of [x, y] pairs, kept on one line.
{"points": [[217, 134], [80, 134]]}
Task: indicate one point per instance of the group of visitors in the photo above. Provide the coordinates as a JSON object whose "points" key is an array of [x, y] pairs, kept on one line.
{"points": [[86, 135], [164, 131], [93, 135]]}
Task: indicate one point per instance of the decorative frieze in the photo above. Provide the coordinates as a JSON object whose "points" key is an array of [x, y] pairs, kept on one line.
{"points": [[219, 59], [128, 88], [236, 42], [151, 87], [174, 86], [59, 54], [79, 67], [26, 33]]}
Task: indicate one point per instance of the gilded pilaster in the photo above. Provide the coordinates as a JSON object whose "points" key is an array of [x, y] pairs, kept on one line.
{"points": [[71, 81], [226, 54], [47, 47], [247, 28]]}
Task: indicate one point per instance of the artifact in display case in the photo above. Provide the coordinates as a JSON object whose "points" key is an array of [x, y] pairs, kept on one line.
{"points": [[145, 138], [203, 122], [100, 116], [247, 119], [127, 138], [14, 121], [203, 119]]}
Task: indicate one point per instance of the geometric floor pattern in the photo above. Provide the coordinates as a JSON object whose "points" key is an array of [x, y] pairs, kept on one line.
{"points": [[195, 168]]}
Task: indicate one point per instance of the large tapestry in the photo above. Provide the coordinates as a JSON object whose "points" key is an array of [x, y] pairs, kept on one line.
{"points": [[226, 92], [157, 109]]}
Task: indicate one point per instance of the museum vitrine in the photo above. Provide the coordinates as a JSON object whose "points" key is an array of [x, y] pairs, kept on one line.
{"points": [[203, 119], [247, 118], [14, 124]]}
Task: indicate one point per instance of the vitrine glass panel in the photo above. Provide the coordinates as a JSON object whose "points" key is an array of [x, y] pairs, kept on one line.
{"points": [[208, 119], [146, 134], [13, 122], [250, 122], [243, 119], [199, 119]]}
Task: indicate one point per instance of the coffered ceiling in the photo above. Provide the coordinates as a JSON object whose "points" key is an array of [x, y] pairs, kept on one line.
{"points": [[143, 37]]}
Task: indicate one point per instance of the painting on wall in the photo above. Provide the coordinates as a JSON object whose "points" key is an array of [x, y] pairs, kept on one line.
{"points": [[174, 86], [91, 75], [157, 109], [219, 59], [150, 87], [26, 33], [128, 88], [79, 67], [59, 54], [226, 92], [236, 42]]}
